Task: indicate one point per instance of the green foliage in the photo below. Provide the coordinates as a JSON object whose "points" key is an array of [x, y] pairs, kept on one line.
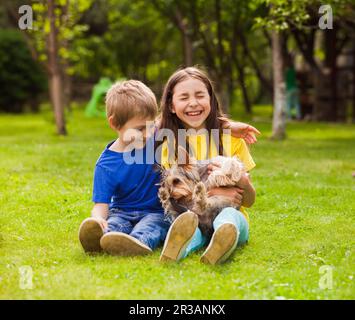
{"points": [[285, 14], [67, 14], [21, 78], [303, 219]]}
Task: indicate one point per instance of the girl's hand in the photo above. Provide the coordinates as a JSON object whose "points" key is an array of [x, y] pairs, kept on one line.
{"points": [[235, 193], [244, 131], [213, 166]]}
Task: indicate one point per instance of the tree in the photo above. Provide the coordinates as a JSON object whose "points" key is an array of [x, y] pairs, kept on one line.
{"points": [[279, 114], [301, 20], [55, 28], [329, 104], [55, 77], [211, 29]]}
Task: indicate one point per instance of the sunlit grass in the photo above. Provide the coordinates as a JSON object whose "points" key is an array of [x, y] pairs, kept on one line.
{"points": [[303, 219]]}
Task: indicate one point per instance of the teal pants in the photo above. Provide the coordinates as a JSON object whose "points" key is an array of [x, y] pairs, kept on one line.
{"points": [[227, 215]]}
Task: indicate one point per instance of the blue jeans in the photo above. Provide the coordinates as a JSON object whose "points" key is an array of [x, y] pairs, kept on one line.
{"points": [[149, 228], [227, 215]]}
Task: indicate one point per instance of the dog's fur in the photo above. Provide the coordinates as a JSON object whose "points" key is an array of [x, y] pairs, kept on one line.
{"points": [[185, 185]]}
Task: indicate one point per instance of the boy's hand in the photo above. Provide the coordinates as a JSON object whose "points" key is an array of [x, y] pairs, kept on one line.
{"points": [[102, 222], [100, 213]]}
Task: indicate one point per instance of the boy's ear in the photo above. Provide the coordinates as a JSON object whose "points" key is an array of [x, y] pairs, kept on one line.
{"points": [[112, 123]]}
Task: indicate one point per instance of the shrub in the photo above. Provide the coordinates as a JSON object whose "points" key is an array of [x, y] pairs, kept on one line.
{"points": [[21, 78]]}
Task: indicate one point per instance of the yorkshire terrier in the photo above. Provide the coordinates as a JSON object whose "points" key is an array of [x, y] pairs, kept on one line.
{"points": [[185, 185]]}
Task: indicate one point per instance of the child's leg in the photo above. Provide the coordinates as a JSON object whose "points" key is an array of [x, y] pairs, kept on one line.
{"points": [[237, 218], [183, 237], [91, 232], [196, 243], [117, 240], [151, 229], [231, 229]]}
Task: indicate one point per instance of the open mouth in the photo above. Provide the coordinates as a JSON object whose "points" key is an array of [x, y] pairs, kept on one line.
{"points": [[194, 113]]}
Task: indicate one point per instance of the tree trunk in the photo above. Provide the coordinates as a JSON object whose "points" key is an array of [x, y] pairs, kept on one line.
{"points": [[55, 78], [279, 114], [66, 78], [188, 50], [186, 39], [242, 83], [326, 92], [223, 95]]}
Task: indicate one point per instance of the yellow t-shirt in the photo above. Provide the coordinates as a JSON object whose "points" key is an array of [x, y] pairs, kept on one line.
{"points": [[232, 147]]}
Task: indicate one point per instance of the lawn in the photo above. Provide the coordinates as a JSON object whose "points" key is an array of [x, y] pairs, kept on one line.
{"points": [[303, 219]]}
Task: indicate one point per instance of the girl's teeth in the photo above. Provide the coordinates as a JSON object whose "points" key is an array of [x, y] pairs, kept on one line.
{"points": [[194, 113]]}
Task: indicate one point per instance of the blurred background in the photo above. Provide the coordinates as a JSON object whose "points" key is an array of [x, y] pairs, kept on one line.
{"points": [[286, 67], [298, 56]]}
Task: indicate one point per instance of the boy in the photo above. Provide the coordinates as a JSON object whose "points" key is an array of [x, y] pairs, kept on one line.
{"points": [[127, 218]]}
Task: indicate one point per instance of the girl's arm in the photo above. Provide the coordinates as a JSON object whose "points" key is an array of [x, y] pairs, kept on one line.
{"points": [[249, 191], [243, 193]]}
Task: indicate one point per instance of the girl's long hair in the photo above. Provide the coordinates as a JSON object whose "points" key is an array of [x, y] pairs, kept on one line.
{"points": [[170, 120]]}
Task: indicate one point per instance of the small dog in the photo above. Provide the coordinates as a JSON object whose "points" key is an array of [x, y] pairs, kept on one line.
{"points": [[185, 185]]}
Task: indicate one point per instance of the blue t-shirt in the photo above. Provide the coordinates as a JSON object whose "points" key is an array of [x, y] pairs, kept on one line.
{"points": [[128, 187]]}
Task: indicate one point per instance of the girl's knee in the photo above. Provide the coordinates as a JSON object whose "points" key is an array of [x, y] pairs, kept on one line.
{"points": [[228, 214], [234, 216]]}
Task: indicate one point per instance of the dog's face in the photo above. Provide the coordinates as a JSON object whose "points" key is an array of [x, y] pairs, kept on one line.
{"points": [[179, 181]]}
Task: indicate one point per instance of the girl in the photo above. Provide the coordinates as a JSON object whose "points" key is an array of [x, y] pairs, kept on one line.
{"points": [[189, 102]]}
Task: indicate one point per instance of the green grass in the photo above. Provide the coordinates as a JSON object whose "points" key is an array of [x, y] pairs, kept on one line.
{"points": [[303, 219]]}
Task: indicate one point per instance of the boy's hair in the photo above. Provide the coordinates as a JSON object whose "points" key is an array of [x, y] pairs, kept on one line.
{"points": [[127, 99]]}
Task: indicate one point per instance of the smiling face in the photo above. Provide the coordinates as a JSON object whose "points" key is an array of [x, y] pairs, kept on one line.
{"points": [[191, 103]]}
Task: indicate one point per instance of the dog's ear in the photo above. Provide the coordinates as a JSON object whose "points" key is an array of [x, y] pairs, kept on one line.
{"points": [[183, 159]]}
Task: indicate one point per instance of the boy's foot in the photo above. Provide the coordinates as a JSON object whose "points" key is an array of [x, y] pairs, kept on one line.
{"points": [[222, 244], [121, 244], [180, 233], [90, 233]]}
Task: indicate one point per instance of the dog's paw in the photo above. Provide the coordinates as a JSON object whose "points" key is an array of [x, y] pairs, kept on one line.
{"points": [[199, 189]]}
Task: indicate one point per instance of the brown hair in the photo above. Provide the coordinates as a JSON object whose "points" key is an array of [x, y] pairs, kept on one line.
{"points": [[127, 99], [170, 120]]}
